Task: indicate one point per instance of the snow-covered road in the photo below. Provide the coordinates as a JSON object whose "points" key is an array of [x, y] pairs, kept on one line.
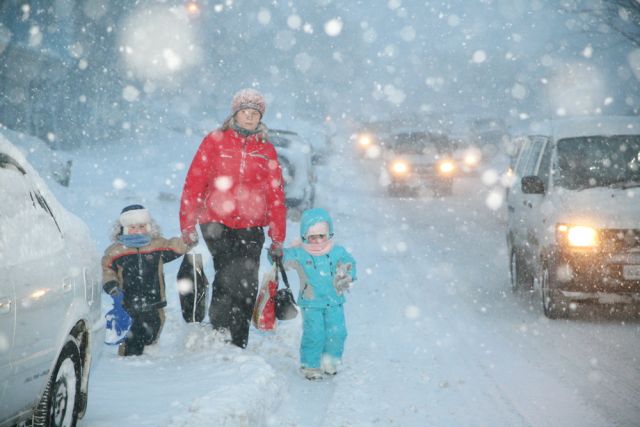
{"points": [[436, 336]]}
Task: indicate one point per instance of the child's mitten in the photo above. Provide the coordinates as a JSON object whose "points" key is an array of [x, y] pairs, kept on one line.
{"points": [[342, 280]]}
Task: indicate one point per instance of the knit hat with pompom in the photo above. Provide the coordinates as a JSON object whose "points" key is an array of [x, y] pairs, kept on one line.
{"points": [[248, 98]]}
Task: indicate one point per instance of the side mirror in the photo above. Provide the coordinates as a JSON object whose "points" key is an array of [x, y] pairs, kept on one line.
{"points": [[532, 185]]}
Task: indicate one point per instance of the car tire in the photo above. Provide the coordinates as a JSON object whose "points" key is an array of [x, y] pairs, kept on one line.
{"points": [[554, 306], [521, 277], [61, 400]]}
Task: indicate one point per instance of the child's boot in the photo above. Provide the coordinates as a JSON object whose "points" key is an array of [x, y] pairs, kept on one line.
{"points": [[312, 374], [329, 365]]}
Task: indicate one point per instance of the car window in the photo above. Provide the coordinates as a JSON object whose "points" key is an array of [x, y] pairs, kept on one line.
{"points": [[279, 141], [597, 161], [420, 143], [528, 161], [9, 163], [28, 229], [545, 162]]}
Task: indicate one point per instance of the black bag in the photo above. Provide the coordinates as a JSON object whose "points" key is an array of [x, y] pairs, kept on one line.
{"points": [[193, 299], [286, 308]]}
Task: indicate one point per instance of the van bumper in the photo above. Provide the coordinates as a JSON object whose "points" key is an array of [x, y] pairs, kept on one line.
{"points": [[606, 277]]}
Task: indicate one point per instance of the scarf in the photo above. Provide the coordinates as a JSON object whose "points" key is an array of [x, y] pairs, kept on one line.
{"points": [[317, 249], [244, 132], [134, 240]]}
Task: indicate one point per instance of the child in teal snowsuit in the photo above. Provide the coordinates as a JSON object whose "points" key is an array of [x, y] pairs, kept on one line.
{"points": [[326, 270]]}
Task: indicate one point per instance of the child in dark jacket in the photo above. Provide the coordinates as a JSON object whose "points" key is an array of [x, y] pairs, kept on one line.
{"points": [[326, 270], [133, 266]]}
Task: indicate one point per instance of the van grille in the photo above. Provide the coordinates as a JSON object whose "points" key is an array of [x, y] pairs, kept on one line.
{"points": [[620, 240]]}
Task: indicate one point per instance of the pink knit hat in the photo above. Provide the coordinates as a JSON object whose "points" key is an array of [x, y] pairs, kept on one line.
{"points": [[248, 98]]}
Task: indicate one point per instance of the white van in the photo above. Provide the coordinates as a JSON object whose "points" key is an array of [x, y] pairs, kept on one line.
{"points": [[574, 212], [50, 322]]}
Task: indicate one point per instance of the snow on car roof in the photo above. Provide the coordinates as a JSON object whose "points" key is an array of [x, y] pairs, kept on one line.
{"points": [[588, 126]]}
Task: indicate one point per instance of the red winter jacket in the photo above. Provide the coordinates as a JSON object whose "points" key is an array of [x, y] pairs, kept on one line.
{"points": [[235, 180]]}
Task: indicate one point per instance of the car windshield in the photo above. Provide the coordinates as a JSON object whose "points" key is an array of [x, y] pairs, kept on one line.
{"points": [[598, 161], [420, 143], [279, 141]]}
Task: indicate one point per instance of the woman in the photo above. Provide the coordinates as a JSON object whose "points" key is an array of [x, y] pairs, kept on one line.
{"points": [[233, 189]]}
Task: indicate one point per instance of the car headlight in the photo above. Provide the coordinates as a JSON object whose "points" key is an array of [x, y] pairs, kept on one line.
{"points": [[364, 140], [400, 167], [471, 159], [446, 167], [578, 236]]}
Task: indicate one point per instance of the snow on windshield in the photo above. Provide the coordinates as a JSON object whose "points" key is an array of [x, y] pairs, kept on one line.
{"points": [[597, 161]]}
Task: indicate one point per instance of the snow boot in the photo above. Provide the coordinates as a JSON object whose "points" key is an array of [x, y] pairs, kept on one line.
{"points": [[329, 368], [330, 365], [312, 374]]}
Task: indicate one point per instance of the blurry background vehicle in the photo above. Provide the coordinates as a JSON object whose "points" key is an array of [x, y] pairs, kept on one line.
{"points": [[297, 170], [489, 135], [574, 223], [320, 144], [50, 316], [370, 139], [416, 160]]}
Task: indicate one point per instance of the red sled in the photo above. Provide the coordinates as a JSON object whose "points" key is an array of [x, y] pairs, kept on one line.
{"points": [[264, 312]]}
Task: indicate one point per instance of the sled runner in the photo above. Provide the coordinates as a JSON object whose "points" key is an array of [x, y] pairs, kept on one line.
{"points": [[192, 288]]}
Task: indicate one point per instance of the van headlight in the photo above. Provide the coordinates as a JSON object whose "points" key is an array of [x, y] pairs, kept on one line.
{"points": [[400, 167], [446, 167], [578, 236]]}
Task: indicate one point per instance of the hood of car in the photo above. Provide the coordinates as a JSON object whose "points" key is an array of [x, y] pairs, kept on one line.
{"points": [[598, 207]]}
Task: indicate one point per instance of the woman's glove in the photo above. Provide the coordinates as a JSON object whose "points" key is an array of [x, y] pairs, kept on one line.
{"points": [[275, 251], [342, 280], [190, 237]]}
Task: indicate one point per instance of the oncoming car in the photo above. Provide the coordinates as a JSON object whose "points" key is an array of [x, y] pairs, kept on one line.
{"points": [[50, 321], [574, 213], [419, 160]]}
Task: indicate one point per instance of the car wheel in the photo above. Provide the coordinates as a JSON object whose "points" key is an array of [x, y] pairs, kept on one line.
{"points": [[553, 305], [521, 277], [60, 401]]}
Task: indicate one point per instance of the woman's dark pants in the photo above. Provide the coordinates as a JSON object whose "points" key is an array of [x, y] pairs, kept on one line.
{"points": [[236, 260]]}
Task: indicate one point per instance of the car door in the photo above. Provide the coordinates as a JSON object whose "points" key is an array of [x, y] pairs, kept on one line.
{"points": [[532, 203], [42, 283], [8, 173], [519, 204]]}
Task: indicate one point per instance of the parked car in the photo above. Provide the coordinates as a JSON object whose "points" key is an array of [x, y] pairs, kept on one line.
{"points": [[574, 213], [298, 172], [50, 317], [415, 160]]}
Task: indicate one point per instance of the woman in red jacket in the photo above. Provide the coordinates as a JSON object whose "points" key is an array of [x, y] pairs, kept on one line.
{"points": [[233, 189]]}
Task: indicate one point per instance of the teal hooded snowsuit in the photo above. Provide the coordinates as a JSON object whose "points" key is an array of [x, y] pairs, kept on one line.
{"points": [[324, 330]]}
